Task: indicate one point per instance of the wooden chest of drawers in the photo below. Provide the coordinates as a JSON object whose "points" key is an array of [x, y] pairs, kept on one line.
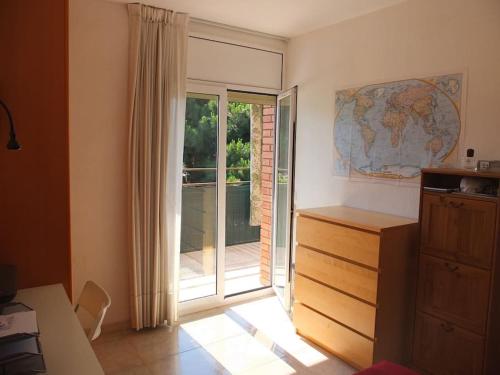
{"points": [[457, 325], [353, 282]]}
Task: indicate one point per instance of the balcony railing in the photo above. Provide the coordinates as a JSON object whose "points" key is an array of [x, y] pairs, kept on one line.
{"points": [[199, 212]]}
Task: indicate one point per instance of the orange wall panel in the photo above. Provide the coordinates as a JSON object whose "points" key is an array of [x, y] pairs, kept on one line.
{"points": [[34, 182]]}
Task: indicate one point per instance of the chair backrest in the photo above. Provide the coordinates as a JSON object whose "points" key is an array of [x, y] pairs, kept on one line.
{"points": [[95, 301]]}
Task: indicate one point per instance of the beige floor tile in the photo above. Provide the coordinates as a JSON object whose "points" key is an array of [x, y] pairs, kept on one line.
{"points": [[241, 353], [191, 362], [256, 337], [117, 355], [152, 345], [211, 329]]}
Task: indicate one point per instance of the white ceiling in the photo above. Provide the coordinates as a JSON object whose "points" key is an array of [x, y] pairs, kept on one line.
{"points": [[286, 18]]}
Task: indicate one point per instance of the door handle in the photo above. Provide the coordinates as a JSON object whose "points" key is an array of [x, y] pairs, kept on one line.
{"points": [[455, 204], [447, 327], [451, 267]]}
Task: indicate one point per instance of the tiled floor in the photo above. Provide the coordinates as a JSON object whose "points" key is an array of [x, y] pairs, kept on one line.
{"points": [[242, 271], [251, 338]]}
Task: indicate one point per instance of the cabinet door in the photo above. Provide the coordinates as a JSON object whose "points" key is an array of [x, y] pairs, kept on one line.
{"points": [[454, 292], [441, 348], [458, 228]]}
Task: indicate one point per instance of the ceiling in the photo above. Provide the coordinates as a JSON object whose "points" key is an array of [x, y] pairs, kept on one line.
{"points": [[287, 18]]}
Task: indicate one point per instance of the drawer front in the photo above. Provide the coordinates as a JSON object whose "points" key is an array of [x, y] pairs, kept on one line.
{"points": [[356, 245], [345, 343], [458, 229], [350, 278], [353, 313], [345, 276], [441, 348], [454, 292]]}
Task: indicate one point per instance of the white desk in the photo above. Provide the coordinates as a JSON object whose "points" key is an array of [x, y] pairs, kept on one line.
{"points": [[65, 347]]}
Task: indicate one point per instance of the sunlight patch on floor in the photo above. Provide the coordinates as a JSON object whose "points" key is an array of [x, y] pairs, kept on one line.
{"points": [[233, 347], [268, 316]]}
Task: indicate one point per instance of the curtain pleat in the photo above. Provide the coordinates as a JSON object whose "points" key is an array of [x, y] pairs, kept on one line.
{"points": [[157, 75]]}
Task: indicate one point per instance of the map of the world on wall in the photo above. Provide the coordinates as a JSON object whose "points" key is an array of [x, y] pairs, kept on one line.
{"points": [[392, 130]]}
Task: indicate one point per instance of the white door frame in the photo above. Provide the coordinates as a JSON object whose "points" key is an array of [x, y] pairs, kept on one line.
{"points": [[204, 303], [287, 293], [218, 299]]}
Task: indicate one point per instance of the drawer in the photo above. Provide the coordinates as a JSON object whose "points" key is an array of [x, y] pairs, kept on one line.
{"points": [[358, 315], [356, 245], [458, 229], [441, 348], [345, 343], [454, 292], [350, 278]]}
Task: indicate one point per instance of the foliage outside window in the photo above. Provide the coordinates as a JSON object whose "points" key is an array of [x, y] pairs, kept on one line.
{"points": [[200, 145]]}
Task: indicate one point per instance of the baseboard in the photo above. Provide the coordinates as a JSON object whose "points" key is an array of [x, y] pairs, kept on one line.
{"points": [[115, 327]]}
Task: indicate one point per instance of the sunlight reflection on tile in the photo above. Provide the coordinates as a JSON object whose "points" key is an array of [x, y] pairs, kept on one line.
{"points": [[267, 316], [242, 353], [214, 328], [275, 368]]}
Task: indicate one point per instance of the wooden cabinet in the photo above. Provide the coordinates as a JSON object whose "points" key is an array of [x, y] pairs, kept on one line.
{"points": [[353, 282], [459, 229], [454, 292], [457, 325], [443, 348]]}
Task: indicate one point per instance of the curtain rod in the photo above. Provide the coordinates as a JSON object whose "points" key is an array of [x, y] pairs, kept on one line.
{"points": [[202, 21]]}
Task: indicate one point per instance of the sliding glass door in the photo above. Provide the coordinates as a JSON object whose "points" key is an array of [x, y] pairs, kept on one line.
{"points": [[226, 196], [203, 167]]}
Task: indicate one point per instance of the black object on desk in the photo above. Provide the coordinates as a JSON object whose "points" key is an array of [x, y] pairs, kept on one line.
{"points": [[8, 288], [21, 353]]}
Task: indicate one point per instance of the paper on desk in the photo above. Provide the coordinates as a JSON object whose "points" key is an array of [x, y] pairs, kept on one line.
{"points": [[21, 322]]}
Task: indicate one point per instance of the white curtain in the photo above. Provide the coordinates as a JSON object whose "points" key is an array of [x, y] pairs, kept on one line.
{"points": [[157, 94]]}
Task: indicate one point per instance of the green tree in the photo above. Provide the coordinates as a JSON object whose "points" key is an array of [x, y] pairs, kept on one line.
{"points": [[200, 140]]}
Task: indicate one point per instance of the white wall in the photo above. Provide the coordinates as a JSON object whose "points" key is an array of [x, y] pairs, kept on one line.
{"points": [[98, 71], [415, 38], [98, 66]]}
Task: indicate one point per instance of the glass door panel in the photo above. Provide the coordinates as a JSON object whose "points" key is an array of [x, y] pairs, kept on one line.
{"points": [[283, 201], [198, 258], [250, 121]]}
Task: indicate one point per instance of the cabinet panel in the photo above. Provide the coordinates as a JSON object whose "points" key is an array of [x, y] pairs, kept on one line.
{"points": [[441, 348], [347, 344], [356, 245], [358, 315], [457, 228], [454, 292], [355, 280]]}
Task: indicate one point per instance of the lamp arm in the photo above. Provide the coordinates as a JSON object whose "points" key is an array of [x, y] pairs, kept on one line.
{"points": [[12, 145]]}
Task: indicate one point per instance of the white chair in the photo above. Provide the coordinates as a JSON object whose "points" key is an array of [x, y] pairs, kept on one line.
{"points": [[91, 309]]}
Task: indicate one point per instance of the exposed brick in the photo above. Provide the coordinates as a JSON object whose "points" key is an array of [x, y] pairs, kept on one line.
{"points": [[267, 141], [268, 155], [266, 212], [268, 184], [267, 169], [268, 111], [267, 133], [267, 162], [268, 125]]}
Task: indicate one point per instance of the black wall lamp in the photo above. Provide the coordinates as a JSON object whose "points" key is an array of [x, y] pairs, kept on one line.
{"points": [[12, 144]]}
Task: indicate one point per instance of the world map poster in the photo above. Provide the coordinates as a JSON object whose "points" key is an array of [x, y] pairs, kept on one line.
{"points": [[392, 130]]}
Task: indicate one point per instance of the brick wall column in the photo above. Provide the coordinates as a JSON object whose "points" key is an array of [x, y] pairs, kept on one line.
{"points": [[268, 121]]}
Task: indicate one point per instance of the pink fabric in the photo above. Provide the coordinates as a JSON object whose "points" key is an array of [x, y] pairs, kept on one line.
{"points": [[387, 368]]}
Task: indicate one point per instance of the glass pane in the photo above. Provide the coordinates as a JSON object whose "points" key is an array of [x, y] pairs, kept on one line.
{"points": [[199, 198], [248, 226], [282, 198]]}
